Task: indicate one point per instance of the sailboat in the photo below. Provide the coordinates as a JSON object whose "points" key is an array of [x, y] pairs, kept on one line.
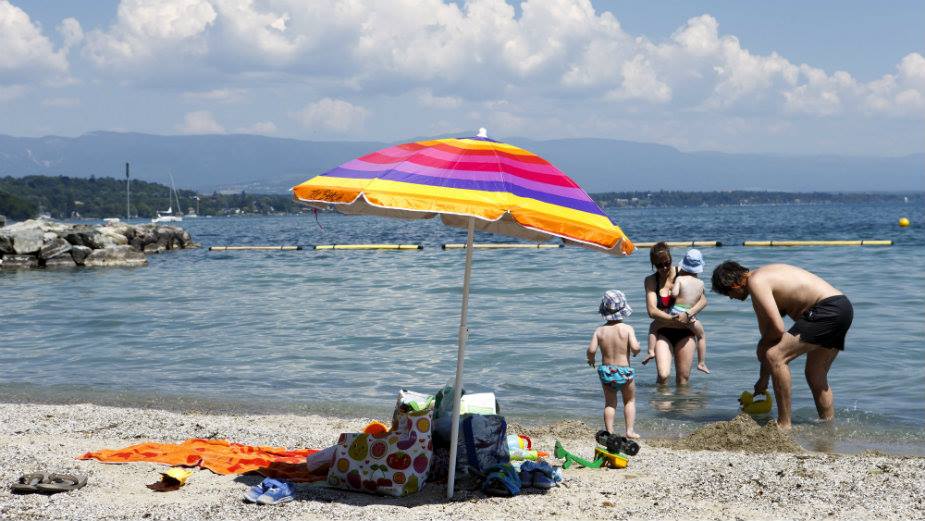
{"points": [[166, 216]]}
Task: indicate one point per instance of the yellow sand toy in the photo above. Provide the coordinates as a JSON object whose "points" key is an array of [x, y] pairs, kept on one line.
{"points": [[616, 461], [752, 406], [602, 458]]}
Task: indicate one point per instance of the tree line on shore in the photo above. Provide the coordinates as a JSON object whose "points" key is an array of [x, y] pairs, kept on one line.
{"points": [[65, 197], [666, 198]]}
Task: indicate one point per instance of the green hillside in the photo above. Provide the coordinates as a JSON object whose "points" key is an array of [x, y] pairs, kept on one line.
{"points": [[97, 197]]}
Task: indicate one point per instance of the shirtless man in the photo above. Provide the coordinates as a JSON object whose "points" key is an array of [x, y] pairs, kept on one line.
{"points": [[821, 314]]}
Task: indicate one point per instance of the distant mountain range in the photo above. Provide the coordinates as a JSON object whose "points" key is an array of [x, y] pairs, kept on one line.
{"points": [[262, 164]]}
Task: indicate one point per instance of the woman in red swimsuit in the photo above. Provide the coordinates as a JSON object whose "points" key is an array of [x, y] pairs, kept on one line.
{"points": [[673, 339]]}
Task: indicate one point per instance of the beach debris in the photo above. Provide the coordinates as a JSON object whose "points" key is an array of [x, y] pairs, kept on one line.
{"points": [[743, 434]]}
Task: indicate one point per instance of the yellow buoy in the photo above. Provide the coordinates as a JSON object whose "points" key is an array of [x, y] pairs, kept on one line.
{"points": [[903, 222]]}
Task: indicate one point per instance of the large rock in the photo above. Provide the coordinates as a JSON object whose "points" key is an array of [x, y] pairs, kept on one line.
{"points": [[126, 230], [63, 261], [55, 227], [109, 237], [154, 247], [145, 237], [78, 239], [28, 240], [6, 245], [27, 237], [19, 262], [122, 255], [54, 248], [80, 253]]}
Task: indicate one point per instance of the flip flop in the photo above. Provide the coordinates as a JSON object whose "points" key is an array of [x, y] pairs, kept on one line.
{"points": [[26, 483], [55, 483]]}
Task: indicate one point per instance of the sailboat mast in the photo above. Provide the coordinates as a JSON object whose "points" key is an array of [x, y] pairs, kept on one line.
{"points": [[177, 197], [128, 195]]}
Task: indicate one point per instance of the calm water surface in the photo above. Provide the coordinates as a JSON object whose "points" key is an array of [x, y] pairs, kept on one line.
{"points": [[342, 331]]}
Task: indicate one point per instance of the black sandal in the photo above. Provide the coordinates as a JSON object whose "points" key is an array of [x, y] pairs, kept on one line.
{"points": [[61, 483], [41, 483], [26, 484]]}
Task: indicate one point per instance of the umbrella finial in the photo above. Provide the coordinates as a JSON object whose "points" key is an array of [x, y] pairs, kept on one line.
{"points": [[483, 132]]}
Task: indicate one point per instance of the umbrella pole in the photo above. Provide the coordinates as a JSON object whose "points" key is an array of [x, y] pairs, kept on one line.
{"points": [[460, 357]]}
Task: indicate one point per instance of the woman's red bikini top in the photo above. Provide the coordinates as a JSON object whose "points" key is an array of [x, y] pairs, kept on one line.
{"points": [[666, 302]]}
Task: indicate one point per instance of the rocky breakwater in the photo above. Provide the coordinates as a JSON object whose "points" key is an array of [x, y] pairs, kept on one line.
{"points": [[43, 243]]}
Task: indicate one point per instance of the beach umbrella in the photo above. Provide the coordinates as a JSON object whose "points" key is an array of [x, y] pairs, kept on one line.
{"points": [[476, 183]]}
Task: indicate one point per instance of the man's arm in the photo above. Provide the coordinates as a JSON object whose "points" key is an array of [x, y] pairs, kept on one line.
{"points": [[770, 325]]}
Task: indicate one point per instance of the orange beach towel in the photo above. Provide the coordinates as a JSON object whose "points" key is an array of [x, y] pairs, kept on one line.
{"points": [[219, 456]]}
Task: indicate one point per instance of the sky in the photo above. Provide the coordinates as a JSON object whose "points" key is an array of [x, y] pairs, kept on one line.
{"points": [[786, 77]]}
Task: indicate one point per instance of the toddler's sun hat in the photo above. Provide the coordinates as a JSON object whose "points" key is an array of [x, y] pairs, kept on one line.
{"points": [[692, 262], [614, 306]]}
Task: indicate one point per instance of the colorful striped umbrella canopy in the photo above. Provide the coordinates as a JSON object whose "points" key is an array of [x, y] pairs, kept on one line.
{"points": [[507, 189], [477, 183]]}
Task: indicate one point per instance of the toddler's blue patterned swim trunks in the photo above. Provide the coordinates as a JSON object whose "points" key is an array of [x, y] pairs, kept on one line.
{"points": [[615, 375]]}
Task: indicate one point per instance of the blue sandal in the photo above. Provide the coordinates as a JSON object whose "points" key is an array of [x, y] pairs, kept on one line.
{"points": [[270, 492]]}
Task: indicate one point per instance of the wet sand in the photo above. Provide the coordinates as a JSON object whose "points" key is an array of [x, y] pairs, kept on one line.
{"points": [[737, 470]]}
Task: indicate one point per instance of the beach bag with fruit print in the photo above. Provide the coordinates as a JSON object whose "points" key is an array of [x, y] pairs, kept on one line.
{"points": [[393, 463]]}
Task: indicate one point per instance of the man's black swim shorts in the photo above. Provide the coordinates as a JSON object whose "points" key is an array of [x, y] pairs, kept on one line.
{"points": [[826, 323]]}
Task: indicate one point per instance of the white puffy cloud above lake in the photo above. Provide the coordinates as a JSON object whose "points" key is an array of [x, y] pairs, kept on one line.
{"points": [[26, 54], [337, 66]]}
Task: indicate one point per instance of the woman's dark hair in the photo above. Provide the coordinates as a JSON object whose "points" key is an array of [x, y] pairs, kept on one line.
{"points": [[727, 275], [657, 250]]}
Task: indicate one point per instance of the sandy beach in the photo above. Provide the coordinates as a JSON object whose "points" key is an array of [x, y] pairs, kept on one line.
{"points": [[663, 482]]}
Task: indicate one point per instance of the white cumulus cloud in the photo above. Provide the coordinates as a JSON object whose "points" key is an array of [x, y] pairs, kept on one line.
{"points": [[70, 32], [218, 95], [149, 31], [561, 63], [25, 53], [332, 114], [200, 122]]}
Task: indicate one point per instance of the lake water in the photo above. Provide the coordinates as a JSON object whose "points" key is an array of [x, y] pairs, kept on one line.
{"points": [[342, 331]]}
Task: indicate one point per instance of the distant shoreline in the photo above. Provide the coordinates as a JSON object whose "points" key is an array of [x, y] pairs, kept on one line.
{"points": [[64, 197], [680, 199]]}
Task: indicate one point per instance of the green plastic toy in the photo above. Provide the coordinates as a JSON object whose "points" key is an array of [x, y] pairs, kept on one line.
{"points": [[570, 458]]}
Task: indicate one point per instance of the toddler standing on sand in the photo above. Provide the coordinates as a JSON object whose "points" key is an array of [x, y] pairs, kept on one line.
{"points": [[616, 341]]}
